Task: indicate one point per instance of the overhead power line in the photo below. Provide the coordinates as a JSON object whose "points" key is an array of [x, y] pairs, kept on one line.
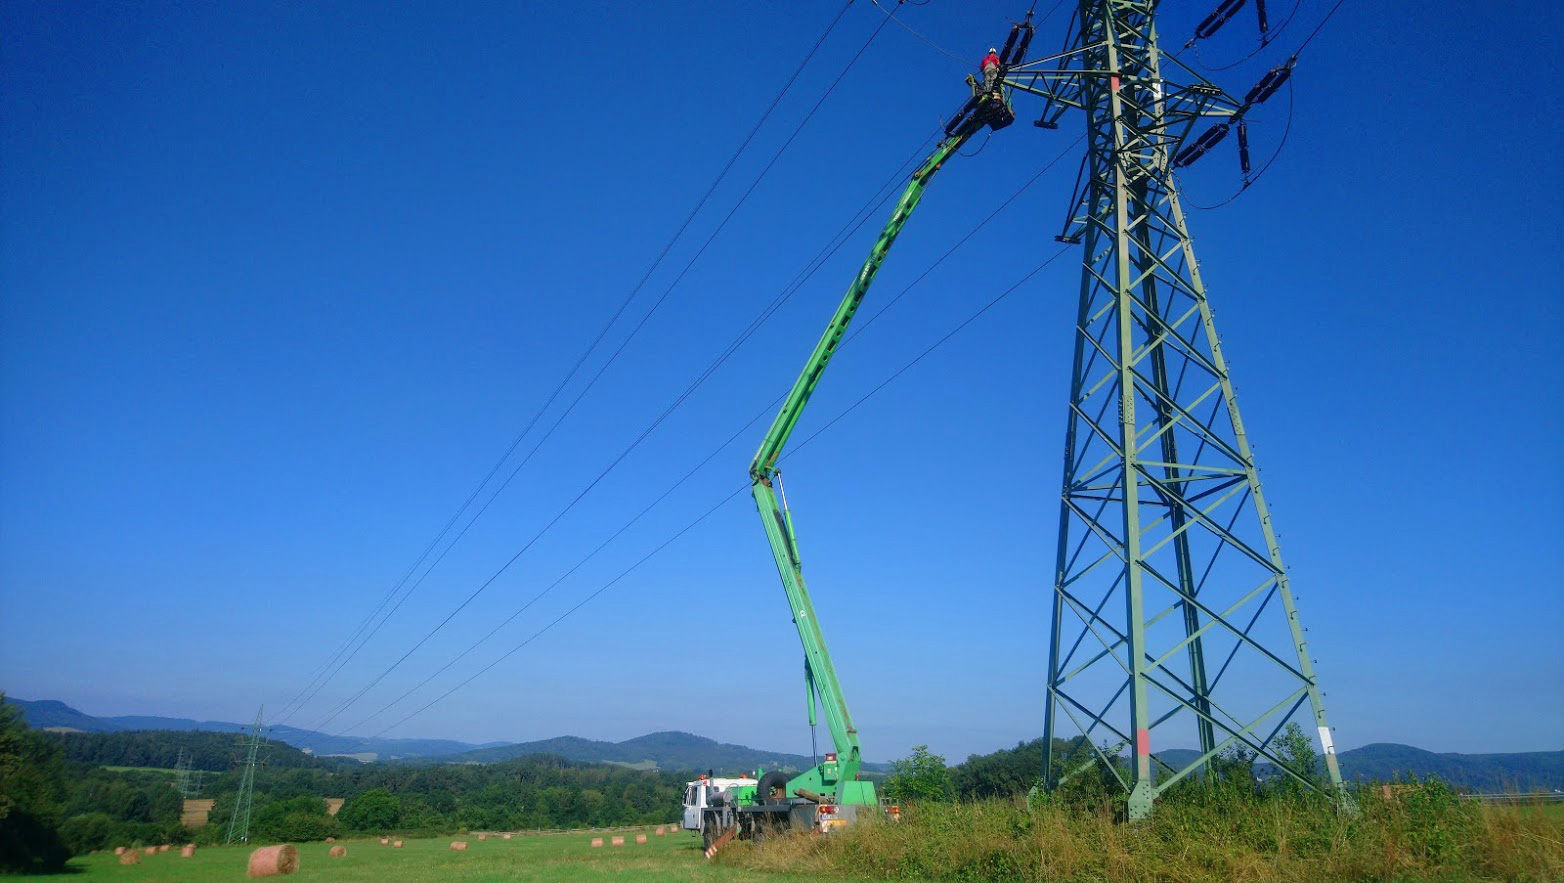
{"points": [[611, 359], [1317, 28], [732, 494], [316, 680], [765, 313]]}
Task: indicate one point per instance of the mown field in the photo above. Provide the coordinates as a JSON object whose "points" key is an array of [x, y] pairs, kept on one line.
{"points": [[528, 857]]}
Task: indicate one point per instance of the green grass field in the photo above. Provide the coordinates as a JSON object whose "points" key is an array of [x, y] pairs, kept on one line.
{"points": [[540, 857], [1416, 836]]}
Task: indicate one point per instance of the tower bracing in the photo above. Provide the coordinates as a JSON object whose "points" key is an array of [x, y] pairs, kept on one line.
{"points": [[186, 779], [1173, 622], [239, 822]]}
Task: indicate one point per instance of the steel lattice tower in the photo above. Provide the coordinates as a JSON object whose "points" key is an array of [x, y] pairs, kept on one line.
{"points": [[187, 779], [1173, 621], [239, 823]]}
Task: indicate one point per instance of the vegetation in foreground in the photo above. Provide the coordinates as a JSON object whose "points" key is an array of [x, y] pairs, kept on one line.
{"points": [[1228, 824], [1420, 832]]}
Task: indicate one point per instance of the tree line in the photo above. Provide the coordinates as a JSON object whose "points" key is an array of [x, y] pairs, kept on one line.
{"points": [[208, 750], [58, 799]]}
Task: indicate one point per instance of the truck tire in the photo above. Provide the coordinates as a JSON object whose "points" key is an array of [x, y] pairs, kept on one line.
{"points": [[776, 780]]}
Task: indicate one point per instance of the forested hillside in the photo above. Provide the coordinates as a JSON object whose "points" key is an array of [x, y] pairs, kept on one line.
{"points": [[61, 797], [160, 748]]}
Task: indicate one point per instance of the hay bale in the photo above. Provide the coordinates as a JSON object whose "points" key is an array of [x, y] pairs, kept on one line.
{"points": [[130, 857], [597, 842], [396, 844], [617, 841], [150, 850], [505, 836], [338, 851], [385, 841], [640, 838], [273, 861], [187, 851], [458, 845], [483, 837], [331, 840], [164, 848], [119, 850], [661, 832]]}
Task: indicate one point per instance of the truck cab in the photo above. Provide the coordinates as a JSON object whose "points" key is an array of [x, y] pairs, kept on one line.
{"points": [[708, 791]]}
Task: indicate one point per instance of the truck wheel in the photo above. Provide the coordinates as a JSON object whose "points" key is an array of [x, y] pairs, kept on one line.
{"points": [[776, 780]]}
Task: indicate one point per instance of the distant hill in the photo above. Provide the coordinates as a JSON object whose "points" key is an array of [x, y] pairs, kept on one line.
{"points": [[669, 750], [1011, 771], [1387, 761], [56, 715], [52, 714], [160, 749], [1383, 761]]}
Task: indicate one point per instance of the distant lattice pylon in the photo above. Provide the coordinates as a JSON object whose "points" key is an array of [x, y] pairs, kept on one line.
{"points": [[239, 822]]}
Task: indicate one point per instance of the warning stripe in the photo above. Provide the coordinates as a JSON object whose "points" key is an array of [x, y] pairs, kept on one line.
{"points": [[720, 841]]}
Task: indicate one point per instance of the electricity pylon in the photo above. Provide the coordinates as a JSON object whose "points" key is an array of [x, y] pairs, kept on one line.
{"points": [[1172, 614], [187, 779], [239, 822]]}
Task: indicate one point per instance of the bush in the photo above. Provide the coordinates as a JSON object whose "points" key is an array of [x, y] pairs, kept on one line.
{"points": [[90, 831], [375, 811], [301, 820], [920, 776], [30, 844]]}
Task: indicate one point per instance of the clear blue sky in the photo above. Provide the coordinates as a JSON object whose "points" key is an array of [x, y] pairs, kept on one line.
{"points": [[280, 281]]}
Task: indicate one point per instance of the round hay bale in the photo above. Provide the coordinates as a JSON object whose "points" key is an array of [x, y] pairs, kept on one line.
{"points": [[164, 848], [187, 851], [385, 841], [505, 836], [119, 850], [483, 837], [150, 850], [396, 844], [130, 857], [640, 838], [273, 861], [331, 840], [458, 845], [617, 841], [597, 842], [338, 851], [661, 832]]}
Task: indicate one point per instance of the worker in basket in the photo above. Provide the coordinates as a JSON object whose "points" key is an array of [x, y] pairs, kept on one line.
{"points": [[990, 69]]}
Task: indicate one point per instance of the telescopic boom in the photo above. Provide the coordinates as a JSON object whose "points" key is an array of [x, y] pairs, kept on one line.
{"points": [[838, 776]]}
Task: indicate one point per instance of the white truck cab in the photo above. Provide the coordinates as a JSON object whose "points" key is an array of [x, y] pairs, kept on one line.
{"points": [[706, 791]]}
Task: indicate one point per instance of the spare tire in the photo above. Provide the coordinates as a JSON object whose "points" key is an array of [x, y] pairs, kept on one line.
{"points": [[776, 780]]}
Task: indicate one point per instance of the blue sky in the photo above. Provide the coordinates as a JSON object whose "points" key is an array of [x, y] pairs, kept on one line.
{"points": [[279, 283]]}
